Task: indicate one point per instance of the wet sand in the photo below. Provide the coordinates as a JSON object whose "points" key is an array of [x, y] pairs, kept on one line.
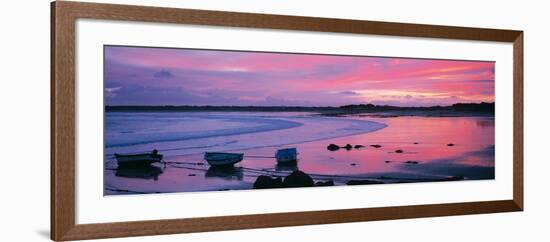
{"points": [[427, 156]]}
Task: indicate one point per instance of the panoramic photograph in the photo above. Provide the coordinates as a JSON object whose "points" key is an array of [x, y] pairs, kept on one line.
{"points": [[195, 120]]}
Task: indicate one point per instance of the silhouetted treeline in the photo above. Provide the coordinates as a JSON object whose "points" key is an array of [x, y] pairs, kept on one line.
{"points": [[355, 108], [460, 107], [221, 108], [474, 107]]}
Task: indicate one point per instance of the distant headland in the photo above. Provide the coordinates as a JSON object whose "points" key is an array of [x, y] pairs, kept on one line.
{"points": [[457, 109]]}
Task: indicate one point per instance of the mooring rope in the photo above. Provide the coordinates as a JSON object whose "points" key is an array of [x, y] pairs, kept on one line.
{"points": [[270, 172]]}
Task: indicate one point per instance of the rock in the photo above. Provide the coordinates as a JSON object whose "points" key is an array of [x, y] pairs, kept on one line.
{"points": [[298, 179], [412, 162], [358, 146], [348, 147], [387, 161], [399, 151], [192, 174], [376, 146], [333, 147], [325, 183], [363, 182], [263, 182], [450, 144], [454, 178], [415, 143], [352, 164]]}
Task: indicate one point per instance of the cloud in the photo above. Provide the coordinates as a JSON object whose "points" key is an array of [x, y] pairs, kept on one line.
{"points": [[146, 95], [111, 91], [349, 93], [483, 81], [279, 101], [182, 76], [163, 74]]}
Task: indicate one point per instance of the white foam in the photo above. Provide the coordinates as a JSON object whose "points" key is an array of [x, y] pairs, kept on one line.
{"points": [[188, 133]]}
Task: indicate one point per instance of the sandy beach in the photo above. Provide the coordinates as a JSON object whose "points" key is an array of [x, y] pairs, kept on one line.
{"points": [[433, 149]]}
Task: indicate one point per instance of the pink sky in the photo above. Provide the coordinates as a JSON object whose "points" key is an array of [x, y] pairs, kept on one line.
{"points": [[162, 76]]}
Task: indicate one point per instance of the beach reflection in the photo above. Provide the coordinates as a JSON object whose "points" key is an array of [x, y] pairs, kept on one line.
{"points": [[226, 173], [287, 166], [143, 172], [433, 148]]}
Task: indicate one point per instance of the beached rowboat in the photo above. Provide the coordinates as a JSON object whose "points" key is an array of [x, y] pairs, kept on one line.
{"points": [[222, 159], [142, 159], [286, 155]]}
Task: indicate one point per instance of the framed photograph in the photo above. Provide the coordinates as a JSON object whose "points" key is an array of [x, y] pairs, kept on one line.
{"points": [[172, 120]]}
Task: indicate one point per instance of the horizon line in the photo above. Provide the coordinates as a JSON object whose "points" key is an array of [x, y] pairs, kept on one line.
{"points": [[297, 106]]}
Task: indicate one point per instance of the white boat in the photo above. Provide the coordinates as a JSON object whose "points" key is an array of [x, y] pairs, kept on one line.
{"points": [[141, 159], [286, 155], [223, 159]]}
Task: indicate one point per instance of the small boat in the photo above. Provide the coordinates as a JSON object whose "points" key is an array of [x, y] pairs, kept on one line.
{"points": [[286, 155], [223, 159], [142, 159]]}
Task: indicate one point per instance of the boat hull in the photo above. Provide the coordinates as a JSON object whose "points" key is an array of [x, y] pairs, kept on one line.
{"points": [[137, 159], [223, 159]]}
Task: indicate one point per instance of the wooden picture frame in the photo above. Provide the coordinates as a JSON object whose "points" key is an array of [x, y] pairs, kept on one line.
{"points": [[63, 18]]}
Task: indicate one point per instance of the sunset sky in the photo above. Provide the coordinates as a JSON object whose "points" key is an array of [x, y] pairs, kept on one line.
{"points": [[158, 76]]}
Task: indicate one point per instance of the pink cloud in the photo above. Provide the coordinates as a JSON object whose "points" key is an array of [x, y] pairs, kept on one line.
{"points": [[301, 78]]}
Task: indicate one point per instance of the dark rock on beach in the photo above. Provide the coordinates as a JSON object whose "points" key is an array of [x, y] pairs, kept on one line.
{"points": [[263, 182], [376, 146], [412, 162], [333, 147], [454, 178], [450, 144], [324, 183], [363, 182], [388, 161], [298, 179], [415, 143], [352, 164], [399, 151]]}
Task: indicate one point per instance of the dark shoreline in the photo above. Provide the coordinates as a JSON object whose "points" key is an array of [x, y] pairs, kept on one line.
{"points": [[404, 113], [455, 110]]}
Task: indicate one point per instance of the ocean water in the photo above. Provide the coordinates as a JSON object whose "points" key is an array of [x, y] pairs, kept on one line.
{"points": [[183, 137], [182, 133]]}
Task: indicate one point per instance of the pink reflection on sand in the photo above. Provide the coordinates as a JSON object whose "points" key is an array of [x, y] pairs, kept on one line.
{"points": [[469, 136], [422, 139]]}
